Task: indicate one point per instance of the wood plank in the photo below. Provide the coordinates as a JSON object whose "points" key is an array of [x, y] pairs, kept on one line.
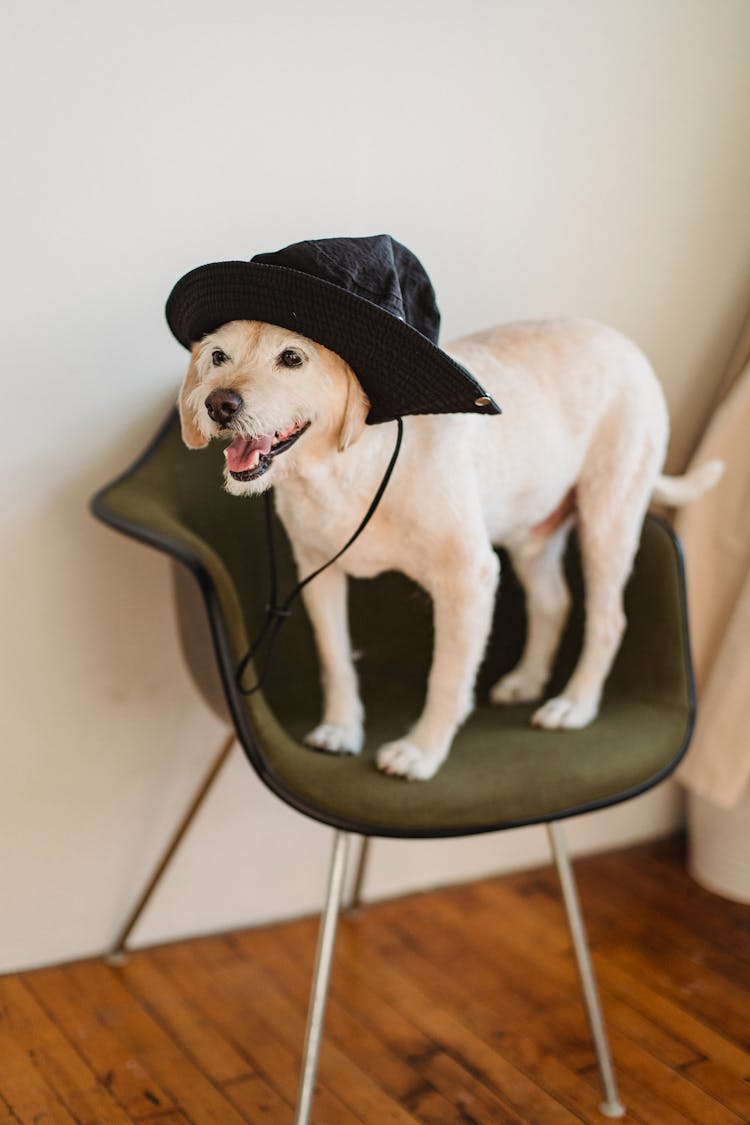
{"points": [[429, 1108], [668, 1044], [204, 1043], [442, 1029], [403, 1066], [684, 1031], [353, 1086], [242, 1021], [472, 1097], [425, 929], [174, 1117], [671, 923], [85, 1023], [535, 921], [126, 1047], [515, 1066], [452, 1007], [648, 1085], [662, 882], [40, 1072], [677, 1020], [646, 1075], [726, 1087], [170, 1006], [27, 1093], [508, 952], [389, 1057], [258, 1101], [678, 1040], [709, 995]]}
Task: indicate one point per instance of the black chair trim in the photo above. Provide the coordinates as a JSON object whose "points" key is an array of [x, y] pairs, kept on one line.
{"points": [[238, 708]]}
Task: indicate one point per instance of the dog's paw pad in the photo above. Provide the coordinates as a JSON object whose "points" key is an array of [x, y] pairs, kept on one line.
{"points": [[403, 759], [335, 739], [517, 687], [564, 714]]}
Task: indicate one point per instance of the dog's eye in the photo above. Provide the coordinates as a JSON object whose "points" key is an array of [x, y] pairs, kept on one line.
{"points": [[290, 357], [218, 357]]}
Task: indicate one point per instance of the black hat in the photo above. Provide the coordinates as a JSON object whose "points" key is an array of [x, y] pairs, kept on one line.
{"points": [[367, 299]]}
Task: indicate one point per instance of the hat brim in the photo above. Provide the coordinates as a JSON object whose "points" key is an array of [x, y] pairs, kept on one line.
{"points": [[401, 371]]}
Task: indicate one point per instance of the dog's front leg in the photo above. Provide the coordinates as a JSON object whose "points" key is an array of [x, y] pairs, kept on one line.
{"points": [[463, 598], [340, 730]]}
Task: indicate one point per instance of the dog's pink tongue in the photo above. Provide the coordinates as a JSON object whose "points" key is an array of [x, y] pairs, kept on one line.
{"points": [[243, 453]]}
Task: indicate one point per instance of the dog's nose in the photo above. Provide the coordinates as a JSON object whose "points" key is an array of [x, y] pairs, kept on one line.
{"points": [[222, 405]]}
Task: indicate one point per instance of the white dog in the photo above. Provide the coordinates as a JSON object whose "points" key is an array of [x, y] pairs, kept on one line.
{"points": [[582, 439]]}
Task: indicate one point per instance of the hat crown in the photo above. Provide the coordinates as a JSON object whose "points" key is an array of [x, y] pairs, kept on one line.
{"points": [[376, 268]]}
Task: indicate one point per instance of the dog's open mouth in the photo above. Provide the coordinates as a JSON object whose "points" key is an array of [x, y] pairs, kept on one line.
{"points": [[248, 458]]}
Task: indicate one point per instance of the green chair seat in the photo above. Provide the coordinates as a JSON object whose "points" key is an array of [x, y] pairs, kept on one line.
{"points": [[501, 772]]}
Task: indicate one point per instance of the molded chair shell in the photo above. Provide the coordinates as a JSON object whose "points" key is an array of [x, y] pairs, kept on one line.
{"points": [[501, 772]]}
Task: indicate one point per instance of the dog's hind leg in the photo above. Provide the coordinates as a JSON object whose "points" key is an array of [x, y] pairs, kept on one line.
{"points": [[538, 564], [612, 498], [340, 730]]}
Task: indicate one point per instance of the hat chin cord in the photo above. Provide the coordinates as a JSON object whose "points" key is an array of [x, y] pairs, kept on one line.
{"points": [[277, 613]]}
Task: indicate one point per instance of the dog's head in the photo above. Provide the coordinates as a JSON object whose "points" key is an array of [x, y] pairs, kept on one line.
{"points": [[273, 394]]}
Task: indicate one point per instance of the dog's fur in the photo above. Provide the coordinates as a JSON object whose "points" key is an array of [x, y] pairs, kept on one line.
{"points": [[582, 439]]}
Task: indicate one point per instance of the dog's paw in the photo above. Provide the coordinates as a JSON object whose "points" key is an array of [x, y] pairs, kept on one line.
{"points": [[335, 739], [518, 687], [404, 759], [565, 714]]}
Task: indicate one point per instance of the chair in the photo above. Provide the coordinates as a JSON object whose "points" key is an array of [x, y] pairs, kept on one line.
{"points": [[502, 773]]}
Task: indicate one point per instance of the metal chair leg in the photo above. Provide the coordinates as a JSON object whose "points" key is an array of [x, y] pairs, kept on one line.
{"points": [[354, 904], [319, 991], [611, 1106], [118, 953]]}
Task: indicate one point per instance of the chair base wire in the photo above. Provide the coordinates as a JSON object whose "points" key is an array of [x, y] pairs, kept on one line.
{"points": [[611, 1106], [354, 905], [319, 990]]}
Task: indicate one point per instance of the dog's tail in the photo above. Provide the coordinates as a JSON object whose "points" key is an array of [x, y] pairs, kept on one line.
{"points": [[676, 491]]}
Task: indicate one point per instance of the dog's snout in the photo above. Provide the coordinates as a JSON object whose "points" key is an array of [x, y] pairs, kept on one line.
{"points": [[222, 405]]}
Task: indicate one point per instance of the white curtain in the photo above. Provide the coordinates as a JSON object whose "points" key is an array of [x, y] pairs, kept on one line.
{"points": [[715, 533]]}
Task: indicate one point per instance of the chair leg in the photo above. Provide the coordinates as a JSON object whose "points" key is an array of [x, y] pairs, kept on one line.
{"points": [[319, 991], [354, 904], [611, 1106], [118, 953]]}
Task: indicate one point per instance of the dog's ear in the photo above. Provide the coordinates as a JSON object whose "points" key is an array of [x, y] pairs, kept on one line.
{"points": [[191, 435], [356, 409]]}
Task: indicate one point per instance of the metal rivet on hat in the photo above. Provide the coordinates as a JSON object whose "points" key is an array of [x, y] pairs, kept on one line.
{"points": [[482, 401]]}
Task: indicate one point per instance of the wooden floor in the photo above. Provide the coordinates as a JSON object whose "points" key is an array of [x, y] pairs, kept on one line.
{"points": [[451, 1007]]}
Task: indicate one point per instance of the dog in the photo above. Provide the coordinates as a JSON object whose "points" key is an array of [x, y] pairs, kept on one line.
{"points": [[581, 440]]}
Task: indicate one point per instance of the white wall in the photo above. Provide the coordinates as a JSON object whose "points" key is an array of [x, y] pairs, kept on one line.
{"points": [[584, 156]]}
